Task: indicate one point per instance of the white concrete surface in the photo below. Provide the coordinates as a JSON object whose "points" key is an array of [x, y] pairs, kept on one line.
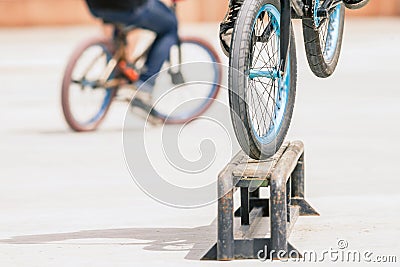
{"points": [[67, 199]]}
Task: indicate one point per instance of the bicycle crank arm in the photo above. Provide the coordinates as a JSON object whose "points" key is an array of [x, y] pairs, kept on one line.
{"points": [[85, 83], [109, 69], [113, 83]]}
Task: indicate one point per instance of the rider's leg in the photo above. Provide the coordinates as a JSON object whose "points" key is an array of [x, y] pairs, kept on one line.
{"points": [[226, 26], [355, 4], [156, 17]]}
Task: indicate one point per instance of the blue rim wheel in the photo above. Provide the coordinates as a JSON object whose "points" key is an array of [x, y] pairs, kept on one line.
{"points": [[84, 103], [261, 97], [268, 91], [200, 73], [323, 39], [332, 34]]}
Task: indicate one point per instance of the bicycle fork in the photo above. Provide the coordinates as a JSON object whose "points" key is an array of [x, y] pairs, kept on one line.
{"points": [[285, 33]]}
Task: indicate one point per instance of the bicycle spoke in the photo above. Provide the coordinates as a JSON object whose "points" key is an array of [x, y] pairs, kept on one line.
{"points": [[92, 63], [265, 108], [263, 94], [254, 115]]}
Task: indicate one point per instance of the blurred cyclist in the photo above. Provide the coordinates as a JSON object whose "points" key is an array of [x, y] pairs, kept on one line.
{"points": [[151, 15], [226, 26]]}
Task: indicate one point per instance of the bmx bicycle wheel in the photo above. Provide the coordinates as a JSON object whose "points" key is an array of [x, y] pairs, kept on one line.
{"points": [[261, 98], [84, 103], [323, 39], [188, 83]]}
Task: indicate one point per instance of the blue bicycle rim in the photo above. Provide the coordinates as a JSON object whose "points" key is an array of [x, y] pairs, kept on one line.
{"points": [[332, 31], [207, 98], [332, 34], [282, 97], [107, 98]]}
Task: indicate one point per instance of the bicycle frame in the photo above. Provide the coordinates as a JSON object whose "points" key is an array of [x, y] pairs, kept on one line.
{"points": [[120, 42]]}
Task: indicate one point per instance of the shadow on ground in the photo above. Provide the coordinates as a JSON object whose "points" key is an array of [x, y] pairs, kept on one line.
{"points": [[197, 241]]}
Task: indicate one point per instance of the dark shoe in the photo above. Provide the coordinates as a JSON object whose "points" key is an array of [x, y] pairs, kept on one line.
{"points": [[142, 105], [226, 26], [355, 4]]}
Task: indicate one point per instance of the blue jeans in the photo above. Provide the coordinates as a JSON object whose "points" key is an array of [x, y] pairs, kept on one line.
{"points": [[153, 16]]}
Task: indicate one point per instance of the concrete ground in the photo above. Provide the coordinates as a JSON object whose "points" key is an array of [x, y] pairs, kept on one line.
{"points": [[67, 199]]}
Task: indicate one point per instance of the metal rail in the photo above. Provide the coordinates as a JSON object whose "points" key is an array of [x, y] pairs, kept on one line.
{"points": [[284, 175]]}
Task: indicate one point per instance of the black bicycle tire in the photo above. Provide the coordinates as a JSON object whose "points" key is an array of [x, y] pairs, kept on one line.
{"points": [[210, 49], [67, 112], [237, 88], [318, 65]]}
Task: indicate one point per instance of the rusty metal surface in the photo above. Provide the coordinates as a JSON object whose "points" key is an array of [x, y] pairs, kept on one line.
{"points": [[230, 167], [284, 174], [297, 190], [259, 169], [225, 250], [305, 208], [297, 182], [278, 196], [288, 161], [244, 206]]}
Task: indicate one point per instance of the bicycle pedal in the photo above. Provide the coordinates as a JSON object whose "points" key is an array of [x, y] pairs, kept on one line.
{"points": [[128, 71], [113, 83]]}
